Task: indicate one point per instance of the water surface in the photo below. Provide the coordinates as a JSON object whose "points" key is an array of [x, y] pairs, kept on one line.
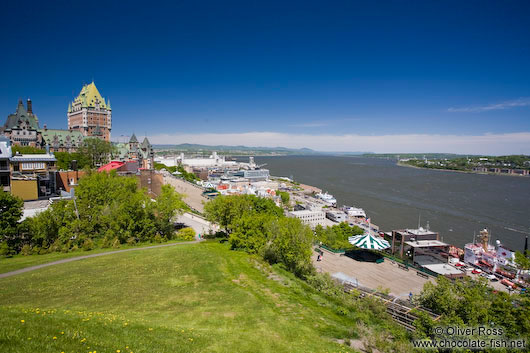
{"points": [[454, 204]]}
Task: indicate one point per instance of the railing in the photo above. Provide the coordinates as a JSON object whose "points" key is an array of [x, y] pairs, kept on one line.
{"points": [[335, 251], [401, 311]]}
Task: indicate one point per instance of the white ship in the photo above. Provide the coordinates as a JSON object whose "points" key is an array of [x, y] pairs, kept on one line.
{"points": [[327, 198], [354, 212]]}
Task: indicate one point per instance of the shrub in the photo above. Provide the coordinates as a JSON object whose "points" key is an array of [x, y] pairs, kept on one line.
{"points": [[158, 238], [26, 250], [88, 244], [186, 234], [5, 250], [116, 243]]}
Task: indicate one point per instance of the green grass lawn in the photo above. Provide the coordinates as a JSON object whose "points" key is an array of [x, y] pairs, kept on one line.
{"points": [[193, 298], [20, 261]]}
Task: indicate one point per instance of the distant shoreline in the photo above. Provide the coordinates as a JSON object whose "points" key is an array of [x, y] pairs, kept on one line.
{"points": [[398, 163]]}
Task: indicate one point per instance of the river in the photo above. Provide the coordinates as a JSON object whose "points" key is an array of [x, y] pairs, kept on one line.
{"points": [[455, 204]]}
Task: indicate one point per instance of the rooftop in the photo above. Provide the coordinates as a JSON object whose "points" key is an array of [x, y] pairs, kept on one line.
{"points": [[443, 269], [33, 158], [425, 243]]}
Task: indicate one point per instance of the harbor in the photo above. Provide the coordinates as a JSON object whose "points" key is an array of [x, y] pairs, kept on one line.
{"points": [[414, 255]]}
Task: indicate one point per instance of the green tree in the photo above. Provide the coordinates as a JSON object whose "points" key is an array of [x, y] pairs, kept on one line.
{"points": [[168, 204], [27, 150], [290, 243], [225, 210], [98, 151], [64, 160], [523, 262], [284, 195], [10, 214], [250, 231], [110, 210]]}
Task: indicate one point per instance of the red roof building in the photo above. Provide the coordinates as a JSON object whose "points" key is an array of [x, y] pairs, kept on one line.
{"points": [[113, 165]]}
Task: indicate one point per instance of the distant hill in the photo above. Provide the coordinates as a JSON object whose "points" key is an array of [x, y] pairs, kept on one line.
{"points": [[242, 150], [413, 155], [245, 150]]}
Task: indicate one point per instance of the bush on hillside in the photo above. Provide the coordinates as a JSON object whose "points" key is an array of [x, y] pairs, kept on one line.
{"points": [[186, 234], [257, 226], [110, 211]]}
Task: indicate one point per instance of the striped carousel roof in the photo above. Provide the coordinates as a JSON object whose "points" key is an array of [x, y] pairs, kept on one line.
{"points": [[368, 241]]}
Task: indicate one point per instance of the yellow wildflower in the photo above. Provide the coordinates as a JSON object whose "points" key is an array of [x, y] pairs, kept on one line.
{"points": [[118, 351], [22, 321], [54, 337]]}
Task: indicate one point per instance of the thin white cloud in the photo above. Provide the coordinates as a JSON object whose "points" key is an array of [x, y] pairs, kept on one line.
{"points": [[491, 144], [313, 124], [521, 102]]}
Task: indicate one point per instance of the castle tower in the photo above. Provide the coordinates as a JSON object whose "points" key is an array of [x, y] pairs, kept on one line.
{"points": [[90, 114]]}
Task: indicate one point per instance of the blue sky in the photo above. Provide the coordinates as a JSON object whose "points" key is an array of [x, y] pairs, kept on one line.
{"points": [[422, 76]]}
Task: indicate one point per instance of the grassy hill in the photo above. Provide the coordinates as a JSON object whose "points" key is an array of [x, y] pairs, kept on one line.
{"points": [[193, 298]]}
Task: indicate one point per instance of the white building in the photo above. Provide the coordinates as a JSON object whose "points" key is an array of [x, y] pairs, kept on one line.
{"points": [[336, 216], [309, 217]]}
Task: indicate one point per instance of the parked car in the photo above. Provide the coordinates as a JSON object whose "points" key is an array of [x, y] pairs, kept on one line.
{"points": [[476, 271], [492, 278]]}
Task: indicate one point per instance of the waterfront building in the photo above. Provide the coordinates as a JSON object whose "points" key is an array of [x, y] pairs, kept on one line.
{"points": [[90, 114], [400, 237], [336, 216], [22, 127], [496, 259], [214, 160], [253, 175], [311, 217], [355, 212]]}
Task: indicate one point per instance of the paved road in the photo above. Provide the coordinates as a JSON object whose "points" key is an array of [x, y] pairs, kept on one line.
{"points": [[33, 268], [199, 224]]}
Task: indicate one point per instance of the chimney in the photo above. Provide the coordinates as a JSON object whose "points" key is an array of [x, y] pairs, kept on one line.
{"points": [[47, 149], [30, 109], [45, 127]]}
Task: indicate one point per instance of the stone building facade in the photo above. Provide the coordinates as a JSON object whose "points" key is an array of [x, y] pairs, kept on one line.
{"points": [[135, 151], [90, 114], [22, 127]]}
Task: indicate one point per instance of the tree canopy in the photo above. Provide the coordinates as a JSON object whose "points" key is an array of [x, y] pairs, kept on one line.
{"points": [[97, 151], [257, 226], [336, 236], [10, 214], [472, 303], [109, 210]]}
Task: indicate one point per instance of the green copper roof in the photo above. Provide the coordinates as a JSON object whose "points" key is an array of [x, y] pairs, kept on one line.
{"points": [[89, 96], [56, 137], [20, 117]]}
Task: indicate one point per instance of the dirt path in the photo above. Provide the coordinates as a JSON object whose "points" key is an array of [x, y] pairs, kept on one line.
{"points": [[36, 267]]}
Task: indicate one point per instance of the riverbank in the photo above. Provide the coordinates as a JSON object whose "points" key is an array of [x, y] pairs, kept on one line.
{"points": [[400, 164]]}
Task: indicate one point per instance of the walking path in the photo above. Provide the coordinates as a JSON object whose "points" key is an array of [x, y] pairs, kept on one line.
{"points": [[36, 267], [372, 275], [192, 193]]}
